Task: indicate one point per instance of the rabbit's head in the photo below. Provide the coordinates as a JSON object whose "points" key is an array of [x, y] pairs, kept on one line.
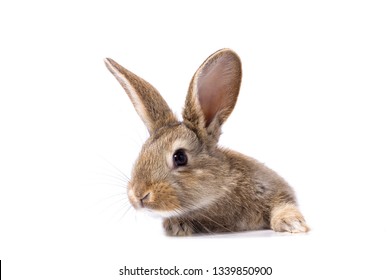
{"points": [[179, 168]]}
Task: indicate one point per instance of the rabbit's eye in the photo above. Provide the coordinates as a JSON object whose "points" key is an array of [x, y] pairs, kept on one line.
{"points": [[180, 158]]}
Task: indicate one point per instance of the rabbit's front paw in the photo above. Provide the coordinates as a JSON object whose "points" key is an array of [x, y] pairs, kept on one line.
{"points": [[288, 218], [176, 227]]}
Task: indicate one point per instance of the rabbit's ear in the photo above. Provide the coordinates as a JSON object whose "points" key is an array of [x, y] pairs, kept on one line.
{"points": [[148, 103], [213, 92]]}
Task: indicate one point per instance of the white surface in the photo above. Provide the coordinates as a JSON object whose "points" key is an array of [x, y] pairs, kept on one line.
{"points": [[314, 106]]}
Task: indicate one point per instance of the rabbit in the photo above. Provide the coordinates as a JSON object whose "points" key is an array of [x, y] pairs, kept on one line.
{"points": [[183, 176]]}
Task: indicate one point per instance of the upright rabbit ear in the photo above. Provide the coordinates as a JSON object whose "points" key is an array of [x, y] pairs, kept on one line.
{"points": [[213, 93], [148, 103]]}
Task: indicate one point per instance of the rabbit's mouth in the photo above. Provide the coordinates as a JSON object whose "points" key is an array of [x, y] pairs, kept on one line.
{"points": [[140, 201], [158, 197], [144, 199], [145, 206]]}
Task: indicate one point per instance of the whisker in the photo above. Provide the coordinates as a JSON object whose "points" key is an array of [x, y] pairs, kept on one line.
{"points": [[114, 195], [126, 206], [115, 184], [124, 176], [122, 200], [116, 179]]}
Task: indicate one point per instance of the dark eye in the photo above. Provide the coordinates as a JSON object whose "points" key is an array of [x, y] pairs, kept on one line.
{"points": [[180, 158]]}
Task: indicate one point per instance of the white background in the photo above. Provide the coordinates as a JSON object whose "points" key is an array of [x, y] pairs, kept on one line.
{"points": [[314, 106]]}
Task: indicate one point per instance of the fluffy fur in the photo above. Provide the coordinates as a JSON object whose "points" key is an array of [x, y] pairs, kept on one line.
{"points": [[219, 190]]}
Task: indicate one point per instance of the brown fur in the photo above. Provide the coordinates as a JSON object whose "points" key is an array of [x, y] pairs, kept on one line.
{"points": [[219, 190]]}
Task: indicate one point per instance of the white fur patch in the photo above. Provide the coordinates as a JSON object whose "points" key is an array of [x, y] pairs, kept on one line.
{"points": [[165, 214]]}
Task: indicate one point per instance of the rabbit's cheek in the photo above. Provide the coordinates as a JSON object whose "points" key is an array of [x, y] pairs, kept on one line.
{"points": [[163, 198]]}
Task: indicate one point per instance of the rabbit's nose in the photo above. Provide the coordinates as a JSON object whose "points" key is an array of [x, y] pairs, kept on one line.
{"points": [[144, 199]]}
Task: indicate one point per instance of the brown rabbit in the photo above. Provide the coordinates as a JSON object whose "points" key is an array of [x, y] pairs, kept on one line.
{"points": [[182, 174]]}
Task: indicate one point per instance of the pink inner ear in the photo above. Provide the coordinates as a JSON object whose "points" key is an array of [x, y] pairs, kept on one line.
{"points": [[210, 97], [218, 86]]}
